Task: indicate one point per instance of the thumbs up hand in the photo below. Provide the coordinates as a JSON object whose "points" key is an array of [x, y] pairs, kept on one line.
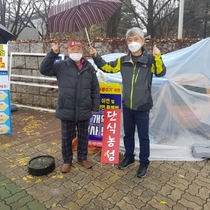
{"points": [[92, 51], [56, 48], [155, 51]]}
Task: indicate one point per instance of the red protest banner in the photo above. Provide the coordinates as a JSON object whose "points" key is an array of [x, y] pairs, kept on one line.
{"points": [[111, 136]]}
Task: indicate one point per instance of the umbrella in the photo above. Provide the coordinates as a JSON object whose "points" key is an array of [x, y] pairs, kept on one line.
{"points": [[5, 35], [76, 15]]}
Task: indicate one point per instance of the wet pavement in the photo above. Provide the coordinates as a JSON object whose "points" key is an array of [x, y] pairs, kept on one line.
{"points": [[168, 184]]}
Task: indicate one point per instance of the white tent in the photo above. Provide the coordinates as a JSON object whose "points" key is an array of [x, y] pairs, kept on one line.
{"points": [[181, 113]]}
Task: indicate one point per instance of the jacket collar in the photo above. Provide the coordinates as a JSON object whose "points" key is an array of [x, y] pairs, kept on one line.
{"points": [[85, 63], [143, 59]]}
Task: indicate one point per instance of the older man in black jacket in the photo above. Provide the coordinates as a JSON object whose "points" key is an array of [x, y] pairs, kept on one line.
{"points": [[78, 97]]}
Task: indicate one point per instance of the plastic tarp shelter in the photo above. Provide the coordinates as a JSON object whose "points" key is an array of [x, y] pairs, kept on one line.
{"points": [[180, 116]]}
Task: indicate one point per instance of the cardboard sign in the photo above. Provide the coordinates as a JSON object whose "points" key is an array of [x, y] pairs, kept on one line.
{"points": [[111, 136]]}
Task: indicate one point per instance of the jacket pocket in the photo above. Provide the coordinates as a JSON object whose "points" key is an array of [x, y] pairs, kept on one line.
{"points": [[68, 104], [61, 100]]}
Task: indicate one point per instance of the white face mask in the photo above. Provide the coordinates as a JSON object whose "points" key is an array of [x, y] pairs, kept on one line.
{"points": [[75, 56], [134, 46]]}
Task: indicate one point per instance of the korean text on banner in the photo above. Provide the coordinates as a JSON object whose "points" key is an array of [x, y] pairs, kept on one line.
{"points": [[110, 96], [111, 137]]}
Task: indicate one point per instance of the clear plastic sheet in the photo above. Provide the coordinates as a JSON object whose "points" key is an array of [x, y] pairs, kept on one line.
{"points": [[180, 116]]}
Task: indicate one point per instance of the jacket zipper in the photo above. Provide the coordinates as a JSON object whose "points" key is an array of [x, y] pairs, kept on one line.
{"points": [[132, 86], [137, 74]]}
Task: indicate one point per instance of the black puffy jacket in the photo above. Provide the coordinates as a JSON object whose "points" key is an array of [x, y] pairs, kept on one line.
{"points": [[78, 90]]}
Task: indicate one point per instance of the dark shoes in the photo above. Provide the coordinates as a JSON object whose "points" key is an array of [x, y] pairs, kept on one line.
{"points": [[126, 163], [142, 171]]}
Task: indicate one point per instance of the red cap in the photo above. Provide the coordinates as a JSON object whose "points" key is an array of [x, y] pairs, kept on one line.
{"points": [[74, 43]]}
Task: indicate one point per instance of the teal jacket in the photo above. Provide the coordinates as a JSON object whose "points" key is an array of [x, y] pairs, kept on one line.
{"points": [[136, 78]]}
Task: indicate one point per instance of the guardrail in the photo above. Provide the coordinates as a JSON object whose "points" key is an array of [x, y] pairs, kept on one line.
{"points": [[35, 84]]}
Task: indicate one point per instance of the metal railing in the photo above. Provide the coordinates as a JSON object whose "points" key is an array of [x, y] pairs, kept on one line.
{"points": [[35, 84]]}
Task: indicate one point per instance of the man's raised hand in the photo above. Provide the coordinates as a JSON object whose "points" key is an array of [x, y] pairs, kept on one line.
{"points": [[155, 51], [92, 51], [56, 48]]}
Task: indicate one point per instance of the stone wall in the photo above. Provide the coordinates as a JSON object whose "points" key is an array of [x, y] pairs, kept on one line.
{"points": [[30, 94]]}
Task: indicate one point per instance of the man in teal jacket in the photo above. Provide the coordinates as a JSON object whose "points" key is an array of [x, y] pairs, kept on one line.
{"points": [[137, 69]]}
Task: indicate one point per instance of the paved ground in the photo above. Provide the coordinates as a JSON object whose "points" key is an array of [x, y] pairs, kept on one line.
{"points": [[168, 185]]}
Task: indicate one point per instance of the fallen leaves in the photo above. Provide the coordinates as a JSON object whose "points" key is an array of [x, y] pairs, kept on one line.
{"points": [[182, 176], [30, 178], [54, 205], [163, 202], [79, 195], [38, 181], [26, 180], [7, 145], [23, 161], [59, 176], [30, 127], [51, 151], [9, 160]]}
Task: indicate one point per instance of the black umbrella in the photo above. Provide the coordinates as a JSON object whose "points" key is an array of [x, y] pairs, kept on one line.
{"points": [[5, 35]]}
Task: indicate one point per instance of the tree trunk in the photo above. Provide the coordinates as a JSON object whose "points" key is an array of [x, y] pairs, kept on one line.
{"points": [[112, 24], [205, 19], [150, 28], [3, 12]]}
